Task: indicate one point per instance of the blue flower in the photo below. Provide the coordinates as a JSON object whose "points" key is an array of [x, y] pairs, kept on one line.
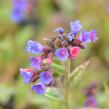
{"points": [[34, 47], [59, 31], [93, 35], [85, 37], [75, 26], [35, 62], [46, 77], [62, 54], [27, 75], [70, 36], [18, 10], [39, 88], [17, 15]]}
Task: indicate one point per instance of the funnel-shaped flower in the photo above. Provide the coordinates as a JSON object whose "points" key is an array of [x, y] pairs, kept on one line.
{"points": [[39, 88], [93, 35], [36, 62], [27, 75], [59, 31], [34, 47], [75, 26], [62, 54], [87, 37], [46, 77]]}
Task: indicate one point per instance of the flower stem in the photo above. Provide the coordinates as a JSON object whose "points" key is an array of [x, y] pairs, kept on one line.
{"points": [[66, 82]]}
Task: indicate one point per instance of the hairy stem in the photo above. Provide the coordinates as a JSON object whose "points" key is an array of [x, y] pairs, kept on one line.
{"points": [[66, 82]]}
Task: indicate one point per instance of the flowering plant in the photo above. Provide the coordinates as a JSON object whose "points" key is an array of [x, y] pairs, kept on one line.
{"points": [[52, 60]]}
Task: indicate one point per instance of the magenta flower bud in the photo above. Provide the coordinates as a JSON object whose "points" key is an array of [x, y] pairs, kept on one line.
{"points": [[27, 75], [46, 77], [74, 51], [62, 54], [36, 62], [39, 88], [48, 60]]}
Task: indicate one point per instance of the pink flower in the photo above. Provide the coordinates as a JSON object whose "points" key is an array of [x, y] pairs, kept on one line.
{"points": [[48, 60], [74, 51]]}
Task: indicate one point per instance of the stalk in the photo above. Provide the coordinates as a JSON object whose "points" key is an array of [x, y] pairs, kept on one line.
{"points": [[66, 83]]}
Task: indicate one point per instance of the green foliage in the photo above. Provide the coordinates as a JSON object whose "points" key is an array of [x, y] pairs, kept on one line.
{"points": [[77, 73], [54, 94]]}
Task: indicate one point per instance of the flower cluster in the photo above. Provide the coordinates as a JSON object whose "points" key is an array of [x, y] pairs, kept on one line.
{"points": [[63, 47], [20, 8]]}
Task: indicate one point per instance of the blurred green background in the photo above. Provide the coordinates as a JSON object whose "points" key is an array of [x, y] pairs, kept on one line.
{"points": [[50, 14]]}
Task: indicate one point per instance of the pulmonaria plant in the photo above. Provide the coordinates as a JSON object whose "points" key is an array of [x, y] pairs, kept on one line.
{"points": [[63, 48]]}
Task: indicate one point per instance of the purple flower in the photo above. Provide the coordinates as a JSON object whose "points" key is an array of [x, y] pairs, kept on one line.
{"points": [[39, 88], [19, 3], [46, 77], [87, 37], [91, 102], [75, 26], [59, 31], [35, 62], [34, 47], [62, 54], [93, 35], [27, 75], [84, 37], [70, 36]]}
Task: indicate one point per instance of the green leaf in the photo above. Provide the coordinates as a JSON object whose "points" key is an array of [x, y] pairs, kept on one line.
{"points": [[56, 61], [57, 74], [57, 67], [54, 94], [77, 73]]}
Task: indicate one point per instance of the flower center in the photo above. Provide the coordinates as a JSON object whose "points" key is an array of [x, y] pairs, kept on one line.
{"points": [[47, 75], [63, 53]]}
